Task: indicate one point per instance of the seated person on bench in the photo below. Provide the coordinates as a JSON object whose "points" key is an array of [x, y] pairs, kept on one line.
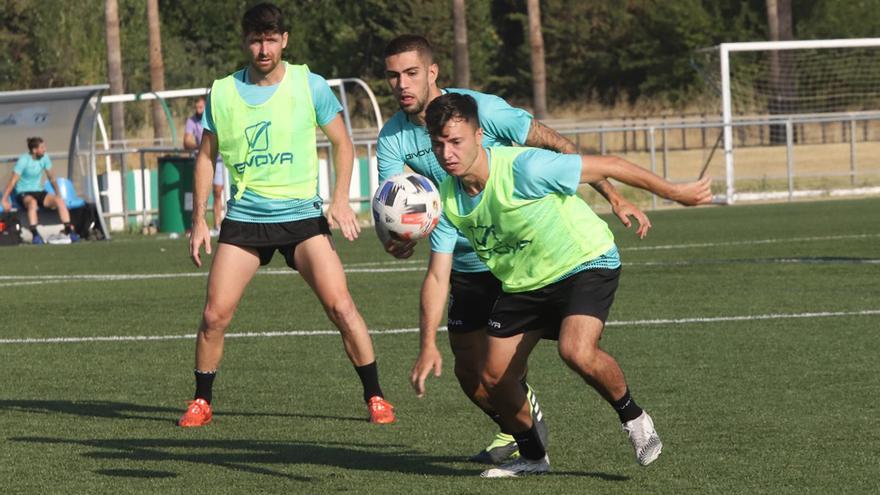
{"points": [[26, 180]]}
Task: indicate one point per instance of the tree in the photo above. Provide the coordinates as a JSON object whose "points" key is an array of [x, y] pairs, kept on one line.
{"points": [[157, 67], [782, 75], [539, 71], [114, 68], [460, 60]]}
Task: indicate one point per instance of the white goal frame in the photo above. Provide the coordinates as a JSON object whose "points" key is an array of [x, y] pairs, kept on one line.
{"points": [[725, 50]]}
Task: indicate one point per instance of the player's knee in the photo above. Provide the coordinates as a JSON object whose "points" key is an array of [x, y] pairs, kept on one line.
{"points": [[491, 381], [579, 358], [215, 321], [341, 310]]}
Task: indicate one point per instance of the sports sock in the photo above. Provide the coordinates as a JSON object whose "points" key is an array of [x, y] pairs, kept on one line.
{"points": [[369, 375], [626, 408], [33, 230], [205, 385], [529, 444], [67, 228]]}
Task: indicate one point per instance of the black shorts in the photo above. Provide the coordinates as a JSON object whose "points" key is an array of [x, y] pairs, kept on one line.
{"points": [[471, 297], [40, 196], [266, 238], [589, 292]]}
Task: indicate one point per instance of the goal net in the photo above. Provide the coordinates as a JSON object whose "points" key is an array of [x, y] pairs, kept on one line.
{"points": [[796, 77], [793, 93]]}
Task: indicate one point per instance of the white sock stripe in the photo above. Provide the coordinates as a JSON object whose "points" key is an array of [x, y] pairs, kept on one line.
{"points": [[311, 333]]}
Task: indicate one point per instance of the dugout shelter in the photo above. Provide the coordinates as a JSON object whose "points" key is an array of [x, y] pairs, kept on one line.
{"points": [[65, 118]]}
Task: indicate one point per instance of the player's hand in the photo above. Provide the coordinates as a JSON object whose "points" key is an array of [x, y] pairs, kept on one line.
{"points": [[428, 360], [400, 249], [200, 236], [624, 209], [341, 216], [7, 205], [693, 193]]}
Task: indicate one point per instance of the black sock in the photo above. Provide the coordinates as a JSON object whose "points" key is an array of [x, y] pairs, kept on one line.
{"points": [[67, 228], [529, 444], [369, 375], [205, 385], [33, 230], [626, 408]]}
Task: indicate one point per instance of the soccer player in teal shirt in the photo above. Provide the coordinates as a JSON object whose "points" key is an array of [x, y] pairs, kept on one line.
{"points": [[27, 177], [412, 75], [556, 260], [263, 121]]}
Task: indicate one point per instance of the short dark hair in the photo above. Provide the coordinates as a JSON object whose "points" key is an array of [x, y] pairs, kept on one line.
{"points": [[34, 142], [448, 107], [263, 18], [410, 43]]}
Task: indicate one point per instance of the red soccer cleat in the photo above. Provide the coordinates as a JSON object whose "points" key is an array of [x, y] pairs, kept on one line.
{"points": [[381, 411], [198, 413]]}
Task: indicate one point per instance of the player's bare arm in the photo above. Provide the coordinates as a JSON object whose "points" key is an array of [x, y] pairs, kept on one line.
{"points": [[689, 194], [10, 186], [541, 136], [340, 213], [202, 181], [433, 298]]}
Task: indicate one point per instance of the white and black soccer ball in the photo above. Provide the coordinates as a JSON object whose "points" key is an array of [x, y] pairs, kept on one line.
{"points": [[406, 207]]}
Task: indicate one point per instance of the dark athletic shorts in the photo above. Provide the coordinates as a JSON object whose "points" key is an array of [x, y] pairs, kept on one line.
{"points": [[471, 297], [40, 196], [589, 292], [267, 238]]}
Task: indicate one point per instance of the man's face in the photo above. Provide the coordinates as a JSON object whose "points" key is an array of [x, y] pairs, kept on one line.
{"points": [[40, 150], [457, 146], [410, 78], [200, 107], [265, 50]]}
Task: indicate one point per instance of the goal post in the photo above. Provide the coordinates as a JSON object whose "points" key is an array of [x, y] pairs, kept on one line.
{"points": [[768, 80]]}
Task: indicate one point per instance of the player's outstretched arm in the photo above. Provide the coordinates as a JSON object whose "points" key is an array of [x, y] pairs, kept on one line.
{"points": [[433, 298], [541, 136], [202, 182], [602, 167], [340, 213]]}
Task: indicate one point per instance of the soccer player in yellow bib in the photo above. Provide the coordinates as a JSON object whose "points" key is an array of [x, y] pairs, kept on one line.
{"points": [[262, 120], [555, 258], [412, 74]]}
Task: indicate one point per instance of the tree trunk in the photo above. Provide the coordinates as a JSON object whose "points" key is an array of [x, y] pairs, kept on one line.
{"points": [[157, 68], [460, 59], [114, 69], [539, 71], [782, 90]]}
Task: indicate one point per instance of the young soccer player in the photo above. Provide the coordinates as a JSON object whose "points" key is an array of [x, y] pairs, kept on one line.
{"points": [[262, 119], [412, 75], [556, 260]]}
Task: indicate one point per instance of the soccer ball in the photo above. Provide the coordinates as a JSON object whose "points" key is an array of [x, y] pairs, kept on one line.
{"points": [[406, 207]]}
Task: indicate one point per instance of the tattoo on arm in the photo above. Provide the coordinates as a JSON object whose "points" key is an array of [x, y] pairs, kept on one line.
{"points": [[541, 136]]}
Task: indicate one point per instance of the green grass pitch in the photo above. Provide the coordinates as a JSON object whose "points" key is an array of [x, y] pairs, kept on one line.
{"points": [[751, 334]]}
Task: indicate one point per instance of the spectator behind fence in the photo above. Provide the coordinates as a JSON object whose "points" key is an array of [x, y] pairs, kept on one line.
{"points": [[26, 180], [192, 139]]}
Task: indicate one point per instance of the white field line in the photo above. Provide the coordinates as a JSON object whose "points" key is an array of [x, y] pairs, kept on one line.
{"points": [[392, 266], [312, 333], [749, 243]]}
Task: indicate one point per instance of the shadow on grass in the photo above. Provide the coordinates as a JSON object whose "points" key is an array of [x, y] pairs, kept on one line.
{"points": [[256, 457], [121, 410]]}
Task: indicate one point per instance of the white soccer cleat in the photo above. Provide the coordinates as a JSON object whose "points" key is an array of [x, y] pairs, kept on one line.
{"points": [[519, 467], [644, 438]]}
